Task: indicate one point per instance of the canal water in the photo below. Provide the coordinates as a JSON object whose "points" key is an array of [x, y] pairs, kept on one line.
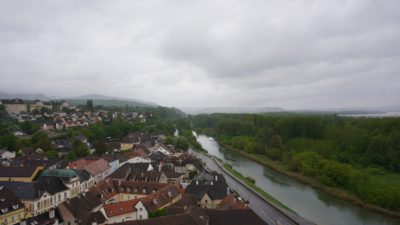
{"points": [[309, 203]]}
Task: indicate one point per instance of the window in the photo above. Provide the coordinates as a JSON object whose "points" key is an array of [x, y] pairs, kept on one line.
{"points": [[65, 194], [19, 216], [206, 201], [140, 216]]}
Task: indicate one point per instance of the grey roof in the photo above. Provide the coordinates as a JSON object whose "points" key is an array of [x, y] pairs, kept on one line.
{"points": [[33, 190], [214, 185], [83, 175], [82, 208], [9, 201], [17, 171], [140, 166]]}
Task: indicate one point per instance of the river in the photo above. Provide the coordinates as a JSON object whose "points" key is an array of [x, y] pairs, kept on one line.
{"points": [[306, 201]]}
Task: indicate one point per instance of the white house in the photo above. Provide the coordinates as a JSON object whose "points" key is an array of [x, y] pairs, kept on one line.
{"points": [[163, 150], [5, 154], [125, 211]]}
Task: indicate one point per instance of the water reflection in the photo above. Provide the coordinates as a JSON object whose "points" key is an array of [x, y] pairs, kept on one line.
{"points": [[313, 205]]}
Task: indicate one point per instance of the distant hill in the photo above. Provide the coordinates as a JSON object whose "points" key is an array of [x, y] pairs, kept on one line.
{"points": [[109, 101], [211, 110], [81, 100], [25, 96]]}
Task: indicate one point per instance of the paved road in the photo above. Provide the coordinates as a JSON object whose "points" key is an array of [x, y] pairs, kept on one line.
{"points": [[262, 208]]}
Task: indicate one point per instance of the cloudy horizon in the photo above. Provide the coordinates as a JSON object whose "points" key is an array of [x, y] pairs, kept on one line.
{"points": [[289, 54]]}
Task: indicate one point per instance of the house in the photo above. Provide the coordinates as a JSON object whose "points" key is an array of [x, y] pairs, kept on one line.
{"points": [[23, 174], [138, 159], [16, 105], [186, 164], [196, 216], [163, 150], [86, 180], [111, 191], [64, 146], [69, 177], [39, 105], [39, 196], [113, 161], [192, 217], [83, 210], [209, 189], [170, 177], [232, 202], [130, 140], [125, 211], [97, 167], [12, 211], [5, 154], [52, 217], [139, 208]]}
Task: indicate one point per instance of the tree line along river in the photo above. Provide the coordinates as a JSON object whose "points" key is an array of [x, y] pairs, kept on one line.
{"points": [[306, 201]]}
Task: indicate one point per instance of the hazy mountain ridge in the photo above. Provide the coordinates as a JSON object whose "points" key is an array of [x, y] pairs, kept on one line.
{"points": [[80, 100]]}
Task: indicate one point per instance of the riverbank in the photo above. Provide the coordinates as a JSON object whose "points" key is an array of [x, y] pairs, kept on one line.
{"points": [[255, 188], [338, 193]]}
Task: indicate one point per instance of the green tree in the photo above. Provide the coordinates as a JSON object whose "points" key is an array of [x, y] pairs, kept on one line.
{"points": [[100, 147], [29, 127], [41, 140], [9, 142], [80, 149], [182, 143], [158, 213]]}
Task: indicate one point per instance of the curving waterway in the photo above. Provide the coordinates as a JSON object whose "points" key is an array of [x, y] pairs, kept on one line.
{"points": [[306, 201]]}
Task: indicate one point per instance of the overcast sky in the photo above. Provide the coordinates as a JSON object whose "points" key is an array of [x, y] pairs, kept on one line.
{"points": [[285, 53]]}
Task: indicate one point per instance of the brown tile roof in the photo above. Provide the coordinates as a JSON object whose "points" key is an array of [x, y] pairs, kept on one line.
{"points": [[231, 202], [120, 208], [80, 163], [162, 197], [186, 202]]}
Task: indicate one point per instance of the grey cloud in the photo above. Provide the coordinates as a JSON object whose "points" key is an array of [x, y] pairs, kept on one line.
{"points": [[205, 53]]}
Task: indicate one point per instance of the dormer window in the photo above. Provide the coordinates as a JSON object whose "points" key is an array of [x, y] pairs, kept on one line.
{"points": [[4, 210], [15, 206]]}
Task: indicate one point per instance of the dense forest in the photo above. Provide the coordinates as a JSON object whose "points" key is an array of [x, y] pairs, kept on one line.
{"points": [[358, 155]]}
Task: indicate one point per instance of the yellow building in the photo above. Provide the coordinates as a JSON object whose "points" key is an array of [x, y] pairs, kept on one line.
{"points": [[22, 174], [12, 211], [14, 105]]}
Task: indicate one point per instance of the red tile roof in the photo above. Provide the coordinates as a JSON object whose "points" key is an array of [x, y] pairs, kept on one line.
{"points": [[120, 208], [97, 166]]}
